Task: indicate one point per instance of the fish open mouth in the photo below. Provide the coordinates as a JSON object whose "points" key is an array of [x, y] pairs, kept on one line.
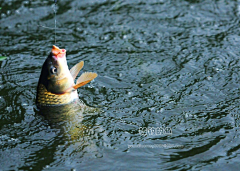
{"points": [[57, 52]]}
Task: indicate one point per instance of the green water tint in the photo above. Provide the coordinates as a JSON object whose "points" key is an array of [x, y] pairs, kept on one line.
{"points": [[2, 57], [158, 68]]}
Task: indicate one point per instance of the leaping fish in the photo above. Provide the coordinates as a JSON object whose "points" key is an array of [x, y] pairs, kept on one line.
{"points": [[56, 84]]}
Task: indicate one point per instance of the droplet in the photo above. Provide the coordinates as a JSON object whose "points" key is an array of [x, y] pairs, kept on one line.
{"points": [[209, 78], [106, 37], [9, 109], [161, 110], [151, 108], [3, 15], [17, 12], [25, 2], [8, 12]]}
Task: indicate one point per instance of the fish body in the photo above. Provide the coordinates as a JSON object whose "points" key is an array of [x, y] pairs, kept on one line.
{"points": [[58, 100], [56, 84]]}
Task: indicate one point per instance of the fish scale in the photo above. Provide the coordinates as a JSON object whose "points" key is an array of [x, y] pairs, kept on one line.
{"points": [[48, 98]]}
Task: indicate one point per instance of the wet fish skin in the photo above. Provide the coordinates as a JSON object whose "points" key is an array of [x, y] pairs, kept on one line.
{"points": [[56, 83]]}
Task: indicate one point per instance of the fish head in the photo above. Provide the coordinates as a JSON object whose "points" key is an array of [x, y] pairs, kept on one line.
{"points": [[57, 77]]}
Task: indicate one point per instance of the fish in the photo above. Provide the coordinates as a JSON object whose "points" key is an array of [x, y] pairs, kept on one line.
{"points": [[56, 85], [58, 102]]}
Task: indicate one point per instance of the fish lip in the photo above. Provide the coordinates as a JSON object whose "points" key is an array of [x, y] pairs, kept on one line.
{"points": [[57, 52]]}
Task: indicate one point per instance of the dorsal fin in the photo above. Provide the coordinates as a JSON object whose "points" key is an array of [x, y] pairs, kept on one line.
{"points": [[85, 78], [75, 69]]}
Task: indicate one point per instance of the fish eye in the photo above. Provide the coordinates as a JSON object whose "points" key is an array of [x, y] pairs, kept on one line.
{"points": [[53, 70]]}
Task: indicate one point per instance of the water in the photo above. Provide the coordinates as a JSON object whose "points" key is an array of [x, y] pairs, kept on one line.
{"points": [[161, 64]]}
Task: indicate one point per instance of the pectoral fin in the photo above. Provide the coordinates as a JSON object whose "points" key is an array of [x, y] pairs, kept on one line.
{"points": [[75, 69], [85, 78]]}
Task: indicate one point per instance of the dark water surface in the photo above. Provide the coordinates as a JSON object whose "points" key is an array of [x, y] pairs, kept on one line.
{"points": [[161, 64]]}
